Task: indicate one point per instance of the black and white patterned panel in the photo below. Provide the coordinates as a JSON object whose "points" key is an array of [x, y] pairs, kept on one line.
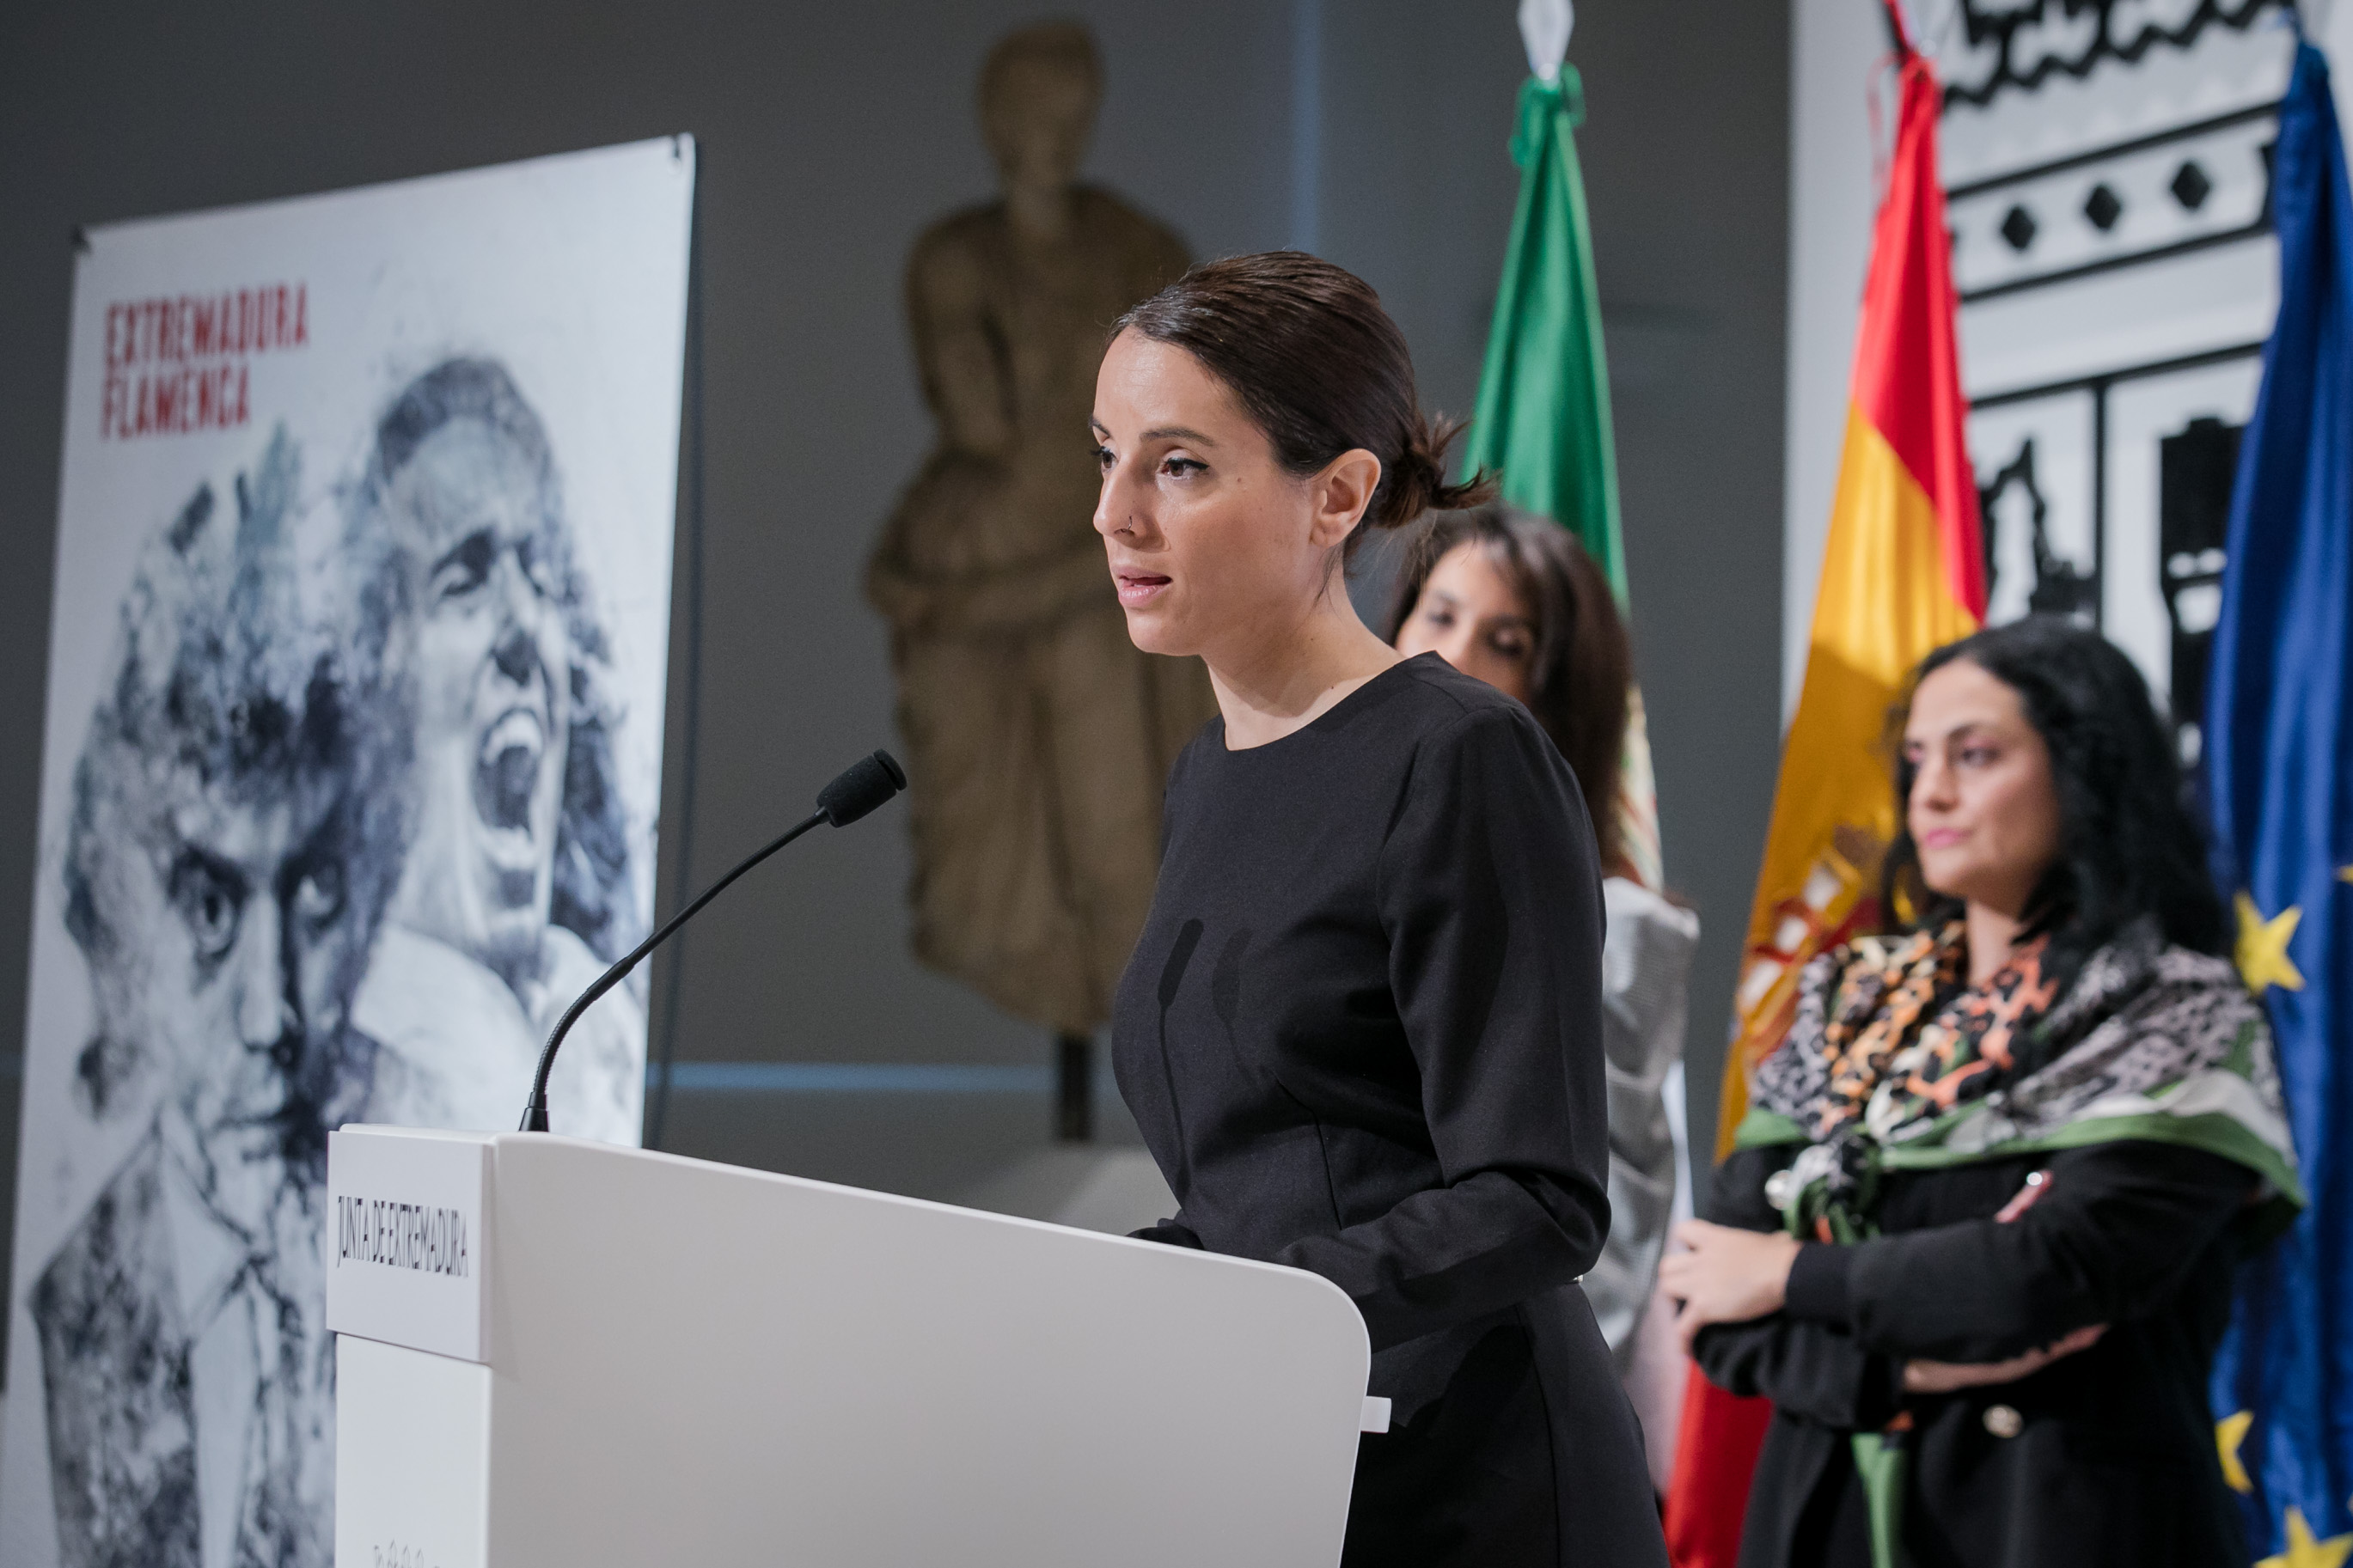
{"points": [[2107, 169], [1988, 49], [2173, 447], [2035, 499], [2204, 186]]}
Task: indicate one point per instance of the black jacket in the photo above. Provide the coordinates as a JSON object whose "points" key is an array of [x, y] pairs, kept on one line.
{"points": [[1361, 1034], [2105, 1457]]}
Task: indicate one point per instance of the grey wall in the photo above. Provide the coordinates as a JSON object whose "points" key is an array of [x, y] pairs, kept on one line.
{"points": [[1685, 154], [829, 135], [1686, 157]]}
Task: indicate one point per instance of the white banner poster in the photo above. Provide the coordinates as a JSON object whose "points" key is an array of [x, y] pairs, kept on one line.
{"points": [[349, 783]]}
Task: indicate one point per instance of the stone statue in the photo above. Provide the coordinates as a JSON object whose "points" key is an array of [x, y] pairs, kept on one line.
{"points": [[1038, 738]]}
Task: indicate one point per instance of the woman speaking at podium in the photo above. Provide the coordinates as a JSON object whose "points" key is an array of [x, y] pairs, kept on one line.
{"points": [[1361, 1031]]}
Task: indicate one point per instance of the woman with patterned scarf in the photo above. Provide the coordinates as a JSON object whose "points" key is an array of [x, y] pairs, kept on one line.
{"points": [[1977, 1238]]}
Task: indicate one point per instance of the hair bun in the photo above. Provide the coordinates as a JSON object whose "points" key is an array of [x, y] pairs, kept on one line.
{"points": [[1417, 480]]}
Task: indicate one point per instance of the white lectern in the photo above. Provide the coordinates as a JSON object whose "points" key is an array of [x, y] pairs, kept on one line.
{"points": [[554, 1351]]}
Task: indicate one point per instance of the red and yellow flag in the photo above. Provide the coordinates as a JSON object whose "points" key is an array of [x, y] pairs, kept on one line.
{"points": [[1903, 572]]}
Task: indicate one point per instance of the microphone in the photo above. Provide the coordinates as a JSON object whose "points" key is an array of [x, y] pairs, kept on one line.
{"points": [[862, 786]]}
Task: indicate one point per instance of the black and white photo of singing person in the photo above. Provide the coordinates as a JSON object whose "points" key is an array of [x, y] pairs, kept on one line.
{"points": [[517, 888]]}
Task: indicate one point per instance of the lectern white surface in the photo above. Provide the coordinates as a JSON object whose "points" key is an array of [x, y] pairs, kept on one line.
{"points": [[690, 1362]]}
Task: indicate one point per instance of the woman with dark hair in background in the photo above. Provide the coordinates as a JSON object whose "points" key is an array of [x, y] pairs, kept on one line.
{"points": [[1361, 1032], [1514, 600], [2005, 1159]]}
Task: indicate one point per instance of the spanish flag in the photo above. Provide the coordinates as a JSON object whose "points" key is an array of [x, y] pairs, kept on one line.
{"points": [[1903, 572]]}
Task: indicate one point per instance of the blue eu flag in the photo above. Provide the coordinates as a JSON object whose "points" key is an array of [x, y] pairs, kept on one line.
{"points": [[2279, 753]]}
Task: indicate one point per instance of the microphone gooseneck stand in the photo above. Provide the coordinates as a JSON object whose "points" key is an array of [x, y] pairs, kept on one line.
{"points": [[862, 787]]}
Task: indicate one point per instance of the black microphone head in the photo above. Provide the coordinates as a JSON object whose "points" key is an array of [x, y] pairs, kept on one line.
{"points": [[862, 786]]}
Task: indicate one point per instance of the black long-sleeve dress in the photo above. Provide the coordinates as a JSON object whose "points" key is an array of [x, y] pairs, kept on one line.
{"points": [[1361, 1034]]}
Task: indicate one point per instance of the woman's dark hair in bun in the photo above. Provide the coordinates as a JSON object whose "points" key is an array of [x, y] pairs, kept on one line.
{"points": [[1319, 367]]}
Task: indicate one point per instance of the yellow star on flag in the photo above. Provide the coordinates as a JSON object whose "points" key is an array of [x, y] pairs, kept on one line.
{"points": [[2345, 874], [2229, 1433], [2304, 1552], [2262, 955]]}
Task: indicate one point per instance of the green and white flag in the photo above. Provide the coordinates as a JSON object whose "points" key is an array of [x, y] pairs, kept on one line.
{"points": [[1543, 419]]}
